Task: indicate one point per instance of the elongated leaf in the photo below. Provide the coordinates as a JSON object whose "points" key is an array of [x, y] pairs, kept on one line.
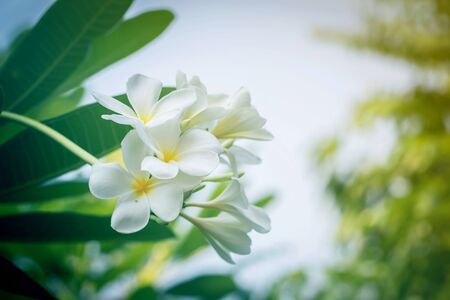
{"points": [[265, 201], [54, 48], [205, 287], [49, 108], [31, 157], [72, 227], [57, 105], [48, 192], [15, 281], [128, 37]]}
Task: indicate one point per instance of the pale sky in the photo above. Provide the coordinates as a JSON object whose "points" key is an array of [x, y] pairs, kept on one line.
{"points": [[306, 89]]}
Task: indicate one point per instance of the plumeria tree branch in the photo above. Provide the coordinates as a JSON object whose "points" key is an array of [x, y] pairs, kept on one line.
{"points": [[51, 133]]}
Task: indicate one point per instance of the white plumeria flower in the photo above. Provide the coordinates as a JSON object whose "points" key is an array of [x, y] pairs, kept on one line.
{"points": [[194, 152], [234, 202], [226, 235], [139, 194], [143, 93], [199, 112], [242, 120]]}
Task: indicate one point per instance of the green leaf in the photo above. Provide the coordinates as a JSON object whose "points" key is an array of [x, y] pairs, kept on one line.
{"points": [[1, 98], [128, 37], [205, 287], [31, 157], [54, 48], [72, 227], [57, 105], [49, 108], [47, 192], [17, 38], [144, 293], [22, 167], [15, 281], [265, 201]]}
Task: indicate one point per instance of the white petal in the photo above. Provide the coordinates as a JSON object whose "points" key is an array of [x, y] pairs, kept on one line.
{"points": [[164, 135], [131, 214], [198, 163], [232, 163], [185, 181], [240, 99], [181, 80], [195, 81], [233, 195], [156, 137], [219, 100], [257, 219], [143, 92], [109, 180], [133, 152], [243, 156], [195, 140], [124, 120], [223, 253], [230, 233], [207, 115], [166, 201], [203, 225], [158, 168], [244, 119], [114, 105], [257, 134], [200, 104], [176, 100]]}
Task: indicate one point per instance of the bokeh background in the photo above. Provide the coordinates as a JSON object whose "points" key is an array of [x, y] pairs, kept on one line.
{"points": [[357, 96]]}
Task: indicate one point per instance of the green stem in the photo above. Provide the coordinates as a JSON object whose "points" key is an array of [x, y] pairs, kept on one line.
{"points": [[53, 134], [225, 177]]}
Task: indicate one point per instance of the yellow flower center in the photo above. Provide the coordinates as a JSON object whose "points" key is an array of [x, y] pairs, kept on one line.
{"points": [[168, 156], [146, 118], [142, 186]]}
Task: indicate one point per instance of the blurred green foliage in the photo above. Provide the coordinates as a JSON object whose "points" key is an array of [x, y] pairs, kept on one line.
{"points": [[394, 227], [394, 216]]}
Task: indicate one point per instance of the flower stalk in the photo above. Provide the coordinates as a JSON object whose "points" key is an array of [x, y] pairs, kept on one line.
{"points": [[51, 133]]}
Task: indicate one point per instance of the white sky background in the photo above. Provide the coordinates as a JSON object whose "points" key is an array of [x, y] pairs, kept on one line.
{"points": [[306, 89]]}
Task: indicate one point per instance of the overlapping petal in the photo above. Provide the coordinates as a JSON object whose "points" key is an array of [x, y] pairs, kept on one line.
{"points": [[225, 234], [143, 92], [133, 152], [195, 152], [109, 180], [234, 202], [166, 201], [200, 163], [160, 169], [131, 214]]}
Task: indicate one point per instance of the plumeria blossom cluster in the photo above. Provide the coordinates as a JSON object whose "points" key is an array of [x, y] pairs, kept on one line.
{"points": [[173, 145]]}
